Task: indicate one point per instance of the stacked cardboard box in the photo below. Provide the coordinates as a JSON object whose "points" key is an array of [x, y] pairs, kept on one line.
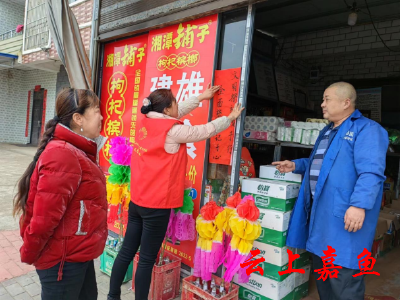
{"points": [[275, 195], [387, 233]]}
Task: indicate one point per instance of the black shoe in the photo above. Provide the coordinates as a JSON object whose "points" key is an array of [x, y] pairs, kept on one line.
{"points": [[112, 298]]}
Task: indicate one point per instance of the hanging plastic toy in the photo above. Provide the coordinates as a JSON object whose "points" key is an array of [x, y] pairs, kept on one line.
{"points": [[181, 224]]}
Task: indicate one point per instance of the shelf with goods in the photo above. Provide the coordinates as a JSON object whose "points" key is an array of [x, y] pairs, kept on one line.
{"points": [[278, 146]]}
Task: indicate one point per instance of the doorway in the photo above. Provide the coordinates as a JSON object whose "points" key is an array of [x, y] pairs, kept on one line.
{"points": [[37, 114]]}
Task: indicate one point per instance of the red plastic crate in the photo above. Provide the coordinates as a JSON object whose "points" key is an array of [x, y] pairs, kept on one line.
{"points": [[192, 292], [165, 281]]}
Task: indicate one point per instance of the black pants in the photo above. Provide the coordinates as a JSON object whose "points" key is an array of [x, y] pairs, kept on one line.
{"points": [[146, 228], [345, 287], [78, 282]]}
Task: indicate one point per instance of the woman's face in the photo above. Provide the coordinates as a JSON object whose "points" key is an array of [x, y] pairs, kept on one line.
{"points": [[173, 110], [91, 122]]}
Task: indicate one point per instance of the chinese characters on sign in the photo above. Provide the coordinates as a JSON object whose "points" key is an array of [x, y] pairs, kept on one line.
{"points": [[122, 93], [292, 258], [329, 270], [252, 265], [181, 58], [122, 89], [221, 145]]}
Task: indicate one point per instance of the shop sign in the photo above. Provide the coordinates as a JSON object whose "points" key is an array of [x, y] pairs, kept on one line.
{"points": [[122, 91], [124, 67]]}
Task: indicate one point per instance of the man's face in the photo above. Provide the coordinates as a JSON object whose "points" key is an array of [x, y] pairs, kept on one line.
{"points": [[332, 106]]}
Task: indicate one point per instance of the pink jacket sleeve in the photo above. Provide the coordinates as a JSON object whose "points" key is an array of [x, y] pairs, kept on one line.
{"points": [[182, 134]]}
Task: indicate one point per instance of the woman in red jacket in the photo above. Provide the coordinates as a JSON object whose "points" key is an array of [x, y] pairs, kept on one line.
{"points": [[62, 198], [158, 176]]}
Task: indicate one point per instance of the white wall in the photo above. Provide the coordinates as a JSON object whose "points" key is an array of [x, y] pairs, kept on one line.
{"points": [[14, 87], [11, 15]]}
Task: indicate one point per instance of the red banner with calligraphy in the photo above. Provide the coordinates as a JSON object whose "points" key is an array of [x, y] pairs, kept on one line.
{"points": [[181, 58], [221, 145], [122, 91]]}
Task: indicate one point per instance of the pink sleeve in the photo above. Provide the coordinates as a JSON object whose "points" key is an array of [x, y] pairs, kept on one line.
{"points": [[190, 134]]}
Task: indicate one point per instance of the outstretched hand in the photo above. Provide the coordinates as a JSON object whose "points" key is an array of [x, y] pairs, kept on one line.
{"points": [[209, 92], [285, 166]]}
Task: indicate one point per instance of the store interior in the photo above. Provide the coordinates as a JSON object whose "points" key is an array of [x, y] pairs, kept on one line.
{"points": [[298, 49]]}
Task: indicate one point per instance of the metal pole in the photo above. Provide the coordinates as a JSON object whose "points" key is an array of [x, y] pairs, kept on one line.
{"points": [[237, 151]]}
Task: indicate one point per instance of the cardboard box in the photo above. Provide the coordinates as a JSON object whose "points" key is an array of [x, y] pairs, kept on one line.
{"points": [[392, 211], [272, 237], [303, 260], [392, 222], [388, 185], [387, 197], [262, 288], [301, 291], [269, 194], [381, 229], [249, 134], [297, 250], [376, 248], [387, 243], [271, 271], [275, 220], [270, 172], [273, 255], [300, 279], [395, 204]]}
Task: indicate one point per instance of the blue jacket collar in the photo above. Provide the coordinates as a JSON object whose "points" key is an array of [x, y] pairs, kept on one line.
{"points": [[356, 115]]}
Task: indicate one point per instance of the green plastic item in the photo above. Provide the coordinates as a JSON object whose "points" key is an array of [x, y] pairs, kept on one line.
{"points": [[119, 174], [188, 205], [107, 261]]}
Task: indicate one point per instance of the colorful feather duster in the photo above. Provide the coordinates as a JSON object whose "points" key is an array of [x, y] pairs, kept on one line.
{"points": [[231, 204], [208, 230], [245, 228], [118, 182]]}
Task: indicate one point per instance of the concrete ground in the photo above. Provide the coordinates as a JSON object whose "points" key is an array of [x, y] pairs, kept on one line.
{"points": [[13, 162]]}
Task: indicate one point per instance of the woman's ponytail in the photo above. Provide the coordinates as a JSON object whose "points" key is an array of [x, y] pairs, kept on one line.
{"points": [[23, 184]]}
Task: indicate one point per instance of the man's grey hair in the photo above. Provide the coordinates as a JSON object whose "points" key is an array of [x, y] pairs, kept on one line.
{"points": [[344, 91]]}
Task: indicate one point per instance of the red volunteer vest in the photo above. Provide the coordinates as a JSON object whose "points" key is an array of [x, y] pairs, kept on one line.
{"points": [[157, 177]]}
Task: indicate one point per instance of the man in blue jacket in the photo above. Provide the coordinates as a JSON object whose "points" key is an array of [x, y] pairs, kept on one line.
{"points": [[340, 197]]}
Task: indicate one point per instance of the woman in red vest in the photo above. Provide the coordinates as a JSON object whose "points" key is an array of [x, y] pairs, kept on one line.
{"points": [[158, 176]]}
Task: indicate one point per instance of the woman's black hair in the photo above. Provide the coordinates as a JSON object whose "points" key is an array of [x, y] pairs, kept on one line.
{"points": [[159, 100]]}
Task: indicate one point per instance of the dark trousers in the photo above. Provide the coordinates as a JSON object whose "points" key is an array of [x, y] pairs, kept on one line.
{"points": [[146, 228], [78, 282], [345, 287]]}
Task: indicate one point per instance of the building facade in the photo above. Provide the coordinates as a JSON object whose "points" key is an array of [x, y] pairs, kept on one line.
{"points": [[33, 75]]}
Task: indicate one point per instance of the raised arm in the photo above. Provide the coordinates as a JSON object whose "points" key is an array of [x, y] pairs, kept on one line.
{"points": [[190, 134], [190, 104]]}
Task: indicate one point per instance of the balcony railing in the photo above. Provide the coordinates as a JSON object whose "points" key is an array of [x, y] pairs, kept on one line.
{"points": [[9, 34], [36, 29]]}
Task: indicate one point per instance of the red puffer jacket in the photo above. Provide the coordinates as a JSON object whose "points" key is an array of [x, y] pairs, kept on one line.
{"points": [[66, 210]]}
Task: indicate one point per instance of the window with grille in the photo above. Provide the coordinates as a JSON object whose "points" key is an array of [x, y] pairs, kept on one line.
{"points": [[36, 34]]}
